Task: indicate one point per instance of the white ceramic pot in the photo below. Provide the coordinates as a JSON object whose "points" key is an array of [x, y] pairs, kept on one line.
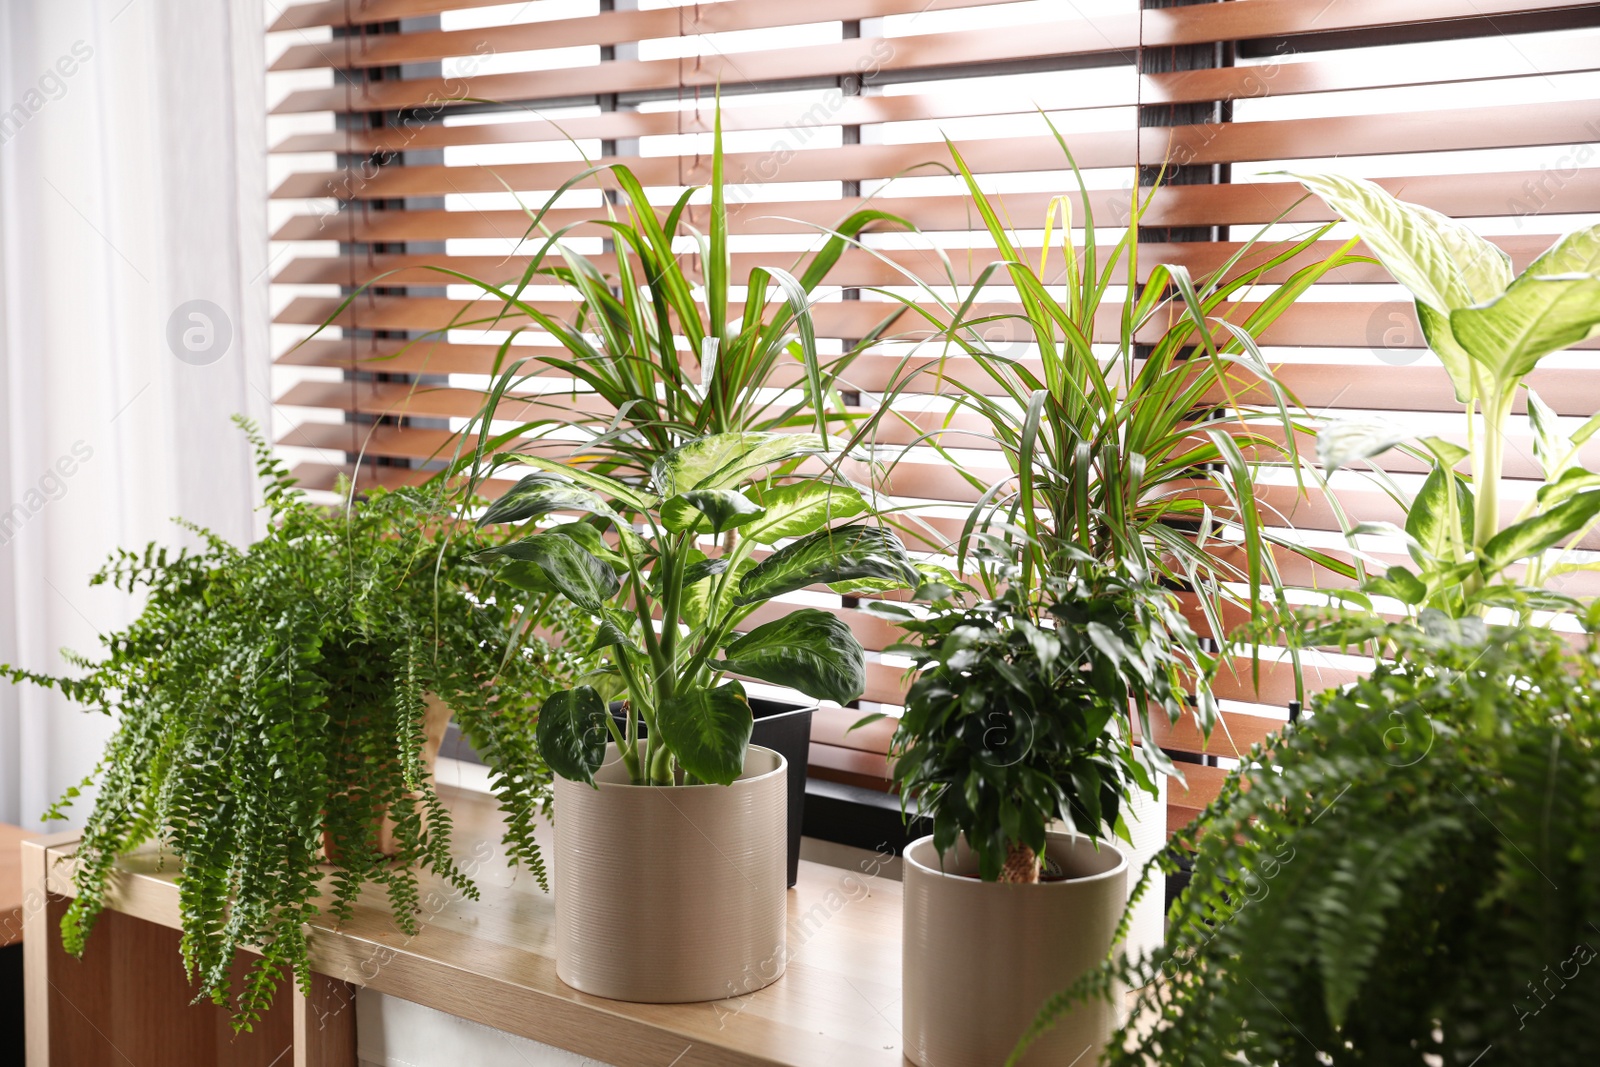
{"points": [[980, 958], [667, 895]]}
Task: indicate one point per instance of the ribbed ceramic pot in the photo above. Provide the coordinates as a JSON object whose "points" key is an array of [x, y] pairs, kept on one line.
{"points": [[980, 958], [667, 895]]}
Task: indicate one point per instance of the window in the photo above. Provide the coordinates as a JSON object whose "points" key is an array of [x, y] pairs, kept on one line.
{"points": [[391, 158]]}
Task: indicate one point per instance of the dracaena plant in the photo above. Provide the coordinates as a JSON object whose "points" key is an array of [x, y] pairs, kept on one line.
{"points": [[1490, 329], [1140, 449], [1025, 701], [655, 338], [682, 550]]}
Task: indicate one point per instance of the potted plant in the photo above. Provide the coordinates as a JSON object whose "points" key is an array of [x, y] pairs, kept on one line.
{"points": [[1125, 468], [670, 825], [652, 340], [1408, 874], [279, 705], [1020, 719]]}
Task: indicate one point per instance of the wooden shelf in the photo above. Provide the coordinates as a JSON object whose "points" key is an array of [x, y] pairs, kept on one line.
{"points": [[493, 961]]}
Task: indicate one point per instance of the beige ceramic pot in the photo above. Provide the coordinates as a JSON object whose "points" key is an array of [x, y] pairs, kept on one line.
{"points": [[980, 958], [667, 895]]}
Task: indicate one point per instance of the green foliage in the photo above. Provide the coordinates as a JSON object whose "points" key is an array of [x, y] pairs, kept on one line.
{"points": [[1013, 722], [1131, 448], [1411, 876], [657, 337], [270, 698], [1490, 331], [672, 678]]}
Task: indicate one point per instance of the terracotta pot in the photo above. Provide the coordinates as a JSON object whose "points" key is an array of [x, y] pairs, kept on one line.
{"points": [[666, 895], [980, 958]]}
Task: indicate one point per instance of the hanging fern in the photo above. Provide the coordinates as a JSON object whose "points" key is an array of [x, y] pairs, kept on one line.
{"points": [[1409, 876], [271, 698]]}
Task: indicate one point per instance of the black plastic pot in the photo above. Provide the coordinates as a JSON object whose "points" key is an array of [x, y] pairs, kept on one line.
{"points": [[786, 729]]}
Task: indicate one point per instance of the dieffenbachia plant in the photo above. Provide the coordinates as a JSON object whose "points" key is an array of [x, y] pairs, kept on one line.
{"points": [[1490, 329], [714, 492]]}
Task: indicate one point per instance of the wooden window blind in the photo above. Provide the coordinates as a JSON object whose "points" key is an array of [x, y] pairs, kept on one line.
{"points": [[413, 131]]}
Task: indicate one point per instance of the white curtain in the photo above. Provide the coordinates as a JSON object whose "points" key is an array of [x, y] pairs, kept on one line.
{"points": [[132, 185]]}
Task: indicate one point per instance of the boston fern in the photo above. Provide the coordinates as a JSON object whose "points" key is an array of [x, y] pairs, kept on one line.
{"points": [[270, 704], [714, 492], [1022, 714], [1416, 878]]}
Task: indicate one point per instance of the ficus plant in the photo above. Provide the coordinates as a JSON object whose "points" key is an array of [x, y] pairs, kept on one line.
{"points": [[1490, 329], [270, 704], [669, 571], [1025, 701]]}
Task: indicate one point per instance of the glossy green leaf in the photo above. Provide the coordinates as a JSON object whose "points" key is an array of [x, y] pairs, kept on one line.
{"points": [[609, 635], [802, 508], [540, 494], [697, 588], [1448, 453], [589, 539], [572, 733], [525, 576], [1535, 317], [1444, 263], [1457, 363], [809, 650], [837, 555], [708, 730], [608, 487], [1572, 482], [709, 511], [1530, 537], [580, 577], [1401, 584], [1428, 521], [722, 461]]}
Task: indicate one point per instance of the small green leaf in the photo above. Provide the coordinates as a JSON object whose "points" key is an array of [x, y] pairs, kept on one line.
{"points": [[608, 635], [708, 730], [1574, 481], [1401, 584], [701, 569], [809, 650], [709, 511], [572, 733], [838, 555], [1448, 453], [580, 577], [1530, 537], [803, 508]]}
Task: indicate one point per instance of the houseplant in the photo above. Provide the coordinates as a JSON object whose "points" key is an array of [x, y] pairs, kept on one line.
{"points": [[273, 702], [656, 340], [1414, 879], [1126, 468], [1021, 718], [675, 789]]}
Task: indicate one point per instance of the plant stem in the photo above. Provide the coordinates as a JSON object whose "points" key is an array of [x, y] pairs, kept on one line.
{"points": [[1496, 413], [1021, 866]]}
